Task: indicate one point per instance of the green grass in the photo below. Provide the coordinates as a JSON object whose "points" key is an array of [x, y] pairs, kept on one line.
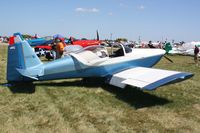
{"points": [[75, 106]]}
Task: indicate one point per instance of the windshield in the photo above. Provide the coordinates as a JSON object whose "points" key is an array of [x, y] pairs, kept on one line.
{"points": [[119, 50]]}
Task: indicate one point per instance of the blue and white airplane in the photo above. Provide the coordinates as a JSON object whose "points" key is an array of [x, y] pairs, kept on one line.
{"points": [[125, 67]]}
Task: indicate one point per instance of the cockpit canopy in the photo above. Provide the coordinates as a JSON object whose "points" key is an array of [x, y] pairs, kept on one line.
{"points": [[120, 50], [101, 51]]}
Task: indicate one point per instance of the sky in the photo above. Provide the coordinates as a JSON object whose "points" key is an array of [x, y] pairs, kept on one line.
{"points": [[154, 20]]}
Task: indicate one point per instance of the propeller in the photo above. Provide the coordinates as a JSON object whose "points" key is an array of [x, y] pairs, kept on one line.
{"points": [[168, 59]]}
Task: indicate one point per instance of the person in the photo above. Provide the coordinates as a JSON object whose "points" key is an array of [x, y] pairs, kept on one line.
{"points": [[53, 51], [36, 36], [150, 44], [71, 40], [59, 48], [196, 52]]}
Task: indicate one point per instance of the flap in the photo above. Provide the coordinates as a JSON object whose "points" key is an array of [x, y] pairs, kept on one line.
{"points": [[147, 78]]}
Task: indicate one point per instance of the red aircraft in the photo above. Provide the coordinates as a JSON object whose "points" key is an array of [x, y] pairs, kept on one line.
{"points": [[85, 42]]}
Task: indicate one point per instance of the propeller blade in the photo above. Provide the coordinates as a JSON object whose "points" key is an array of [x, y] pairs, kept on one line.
{"points": [[168, 59]]}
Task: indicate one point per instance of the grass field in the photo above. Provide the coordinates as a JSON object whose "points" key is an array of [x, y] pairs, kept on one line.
{"points": [[74, 106]]}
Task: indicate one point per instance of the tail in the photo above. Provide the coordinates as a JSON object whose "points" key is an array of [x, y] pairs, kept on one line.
{"points": [[22, 61]]}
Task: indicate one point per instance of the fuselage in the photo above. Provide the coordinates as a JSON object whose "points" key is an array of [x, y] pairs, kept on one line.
{"points": [[67, 67], [85, 43]]}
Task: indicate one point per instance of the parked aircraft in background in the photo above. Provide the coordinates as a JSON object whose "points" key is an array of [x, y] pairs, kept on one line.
{"points": [[184, 49], [85, 42]]}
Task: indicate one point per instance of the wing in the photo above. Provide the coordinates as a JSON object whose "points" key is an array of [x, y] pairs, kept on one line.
{"points": [[147, 78]]}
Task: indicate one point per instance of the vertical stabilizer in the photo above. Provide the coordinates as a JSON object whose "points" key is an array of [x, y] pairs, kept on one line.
{"points": [[20, 57]]}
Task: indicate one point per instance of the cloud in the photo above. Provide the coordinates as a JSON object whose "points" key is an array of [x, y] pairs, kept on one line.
{"points": [[141, 7], [89, 10], [110, 13]]}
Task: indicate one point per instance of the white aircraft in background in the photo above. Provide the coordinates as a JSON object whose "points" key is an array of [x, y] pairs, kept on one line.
{"points": [[185, 48]]}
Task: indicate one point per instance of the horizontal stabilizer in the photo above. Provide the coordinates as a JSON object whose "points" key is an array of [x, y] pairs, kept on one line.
{"points": [[32, 74], [147, 78]]}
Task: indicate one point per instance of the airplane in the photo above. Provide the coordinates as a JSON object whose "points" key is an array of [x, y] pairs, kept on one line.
{"points": [[42, 47], [85, 42], [183, 49], [33, 42], [150, 44], [126, 66]]}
